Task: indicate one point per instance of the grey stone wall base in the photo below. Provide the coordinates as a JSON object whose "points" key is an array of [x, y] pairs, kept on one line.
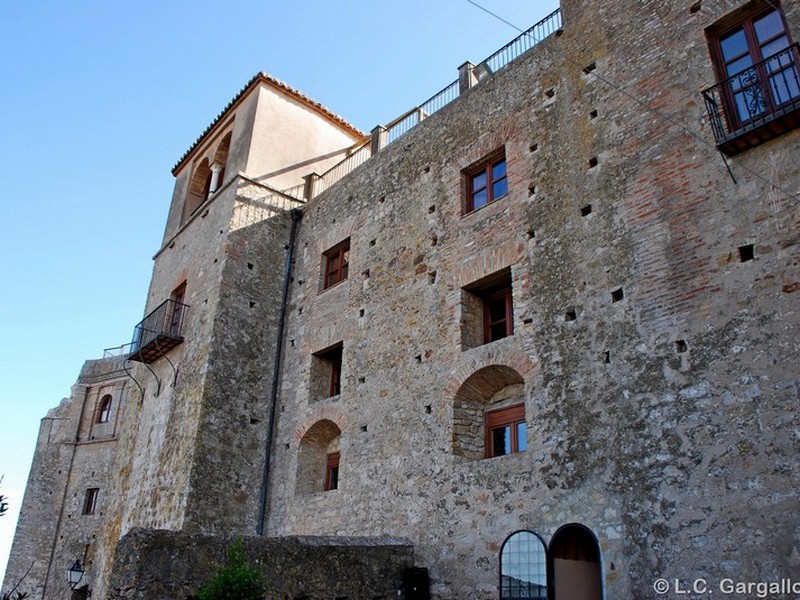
{"points": [[169, 565]]}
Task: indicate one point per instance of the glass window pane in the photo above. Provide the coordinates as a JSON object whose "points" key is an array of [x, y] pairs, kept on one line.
{"points": [[479, 181], [523, 569], [739, 65], [497, 310], [768, 26], [479, 199], [334, 478], [500, 188], [499, 170], [498, 331], [501, 441], [733, 45], [774, 47], [522, 437]]}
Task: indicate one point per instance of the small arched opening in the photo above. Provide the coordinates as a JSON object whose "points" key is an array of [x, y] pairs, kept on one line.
{"points": [[318, 458], [489, 414], [221, 160], [198, 188], [104, 409], [575, 556]]}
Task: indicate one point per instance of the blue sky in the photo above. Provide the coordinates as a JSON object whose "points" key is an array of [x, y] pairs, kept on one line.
{"points": [[98, 102]]}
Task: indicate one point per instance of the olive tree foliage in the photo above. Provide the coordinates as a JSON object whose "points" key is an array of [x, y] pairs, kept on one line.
{"points": [[237, 580]]}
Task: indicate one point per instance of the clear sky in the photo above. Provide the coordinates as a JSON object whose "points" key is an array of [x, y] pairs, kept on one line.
{"points": [[98, 101]]}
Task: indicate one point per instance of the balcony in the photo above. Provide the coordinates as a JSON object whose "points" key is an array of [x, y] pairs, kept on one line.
{"points": [[159, 332], [757, 104]]}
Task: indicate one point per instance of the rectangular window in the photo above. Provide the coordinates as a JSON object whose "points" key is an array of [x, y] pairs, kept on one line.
{"points": [[758, 70], [326, 372], [487, 310], [177, 298], [486, 182], [90, 501], [332, 472], [756, 85], [336, 264], [506, 432], [336, 373], [498, 320]]}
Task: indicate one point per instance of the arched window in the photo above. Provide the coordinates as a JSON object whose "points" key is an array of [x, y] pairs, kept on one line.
{"points": [[198, 188], [489, 414], [104, 409], [318, 458], [221, 159], [523, 567], [576, 563]]}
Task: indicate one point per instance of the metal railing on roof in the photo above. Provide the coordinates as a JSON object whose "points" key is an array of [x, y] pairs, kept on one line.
{"points": [[407, 121], [339, 170], [524, 42], [295, 191]]}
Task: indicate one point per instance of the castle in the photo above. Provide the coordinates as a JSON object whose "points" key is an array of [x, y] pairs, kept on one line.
{"points": [[538, 336]]}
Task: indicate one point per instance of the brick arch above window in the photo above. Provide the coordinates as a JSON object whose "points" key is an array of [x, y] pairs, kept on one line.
{"points": [[221, 153], [513, 360], [198, 188], [326, 413], [489, 414], [486, 262]]}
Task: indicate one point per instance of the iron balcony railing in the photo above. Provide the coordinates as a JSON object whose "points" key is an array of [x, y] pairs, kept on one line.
{"points": [[756, 104], [158, 332]]}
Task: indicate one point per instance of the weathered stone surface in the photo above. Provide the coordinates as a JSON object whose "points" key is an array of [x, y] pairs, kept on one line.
{"points": [[165, 565], [658, 370]]}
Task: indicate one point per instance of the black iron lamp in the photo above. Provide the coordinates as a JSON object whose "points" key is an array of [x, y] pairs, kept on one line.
{"points": [[75, 574]]}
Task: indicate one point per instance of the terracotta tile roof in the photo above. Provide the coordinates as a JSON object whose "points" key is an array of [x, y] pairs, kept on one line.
{"points": [[269, 80]]}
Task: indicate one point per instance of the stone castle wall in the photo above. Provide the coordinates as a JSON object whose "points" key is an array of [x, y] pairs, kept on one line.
{"points": [[74, 453], [654, 360], [661, 420], [164, 565]]}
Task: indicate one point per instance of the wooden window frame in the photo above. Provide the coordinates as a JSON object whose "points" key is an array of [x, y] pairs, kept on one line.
{"points": [[744, 20], [336, 374], [489, 297], [336, 264], [104, 409], [501, 418], [333, 356], [90, 501], [178, 296], [484, 167], [332, 471]]}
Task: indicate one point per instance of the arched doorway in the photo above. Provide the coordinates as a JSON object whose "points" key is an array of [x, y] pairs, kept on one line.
{"points": [[575, 556]]}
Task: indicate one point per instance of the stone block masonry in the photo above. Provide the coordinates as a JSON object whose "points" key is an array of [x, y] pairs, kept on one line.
{"points": [[647, 376], [165, 565]]}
